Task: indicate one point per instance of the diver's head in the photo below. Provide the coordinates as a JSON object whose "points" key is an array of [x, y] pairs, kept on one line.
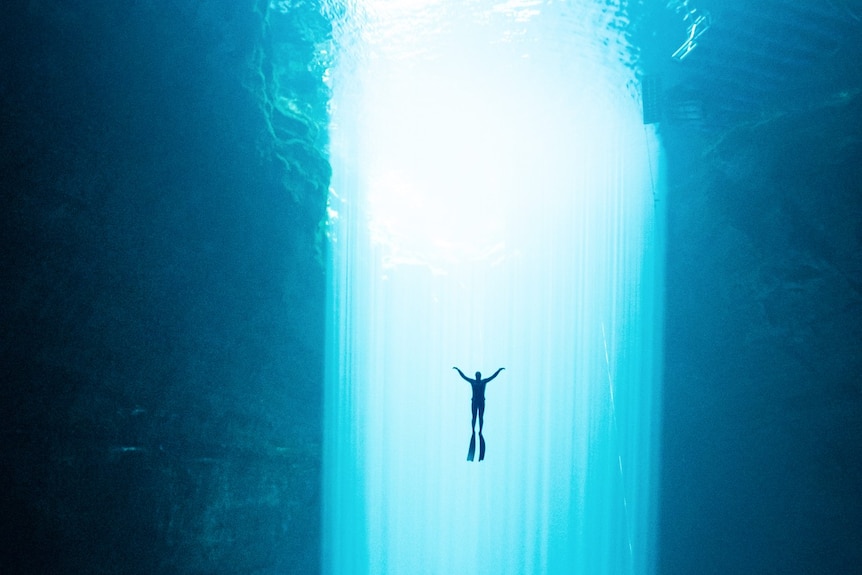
{"points": [[478, 375]]}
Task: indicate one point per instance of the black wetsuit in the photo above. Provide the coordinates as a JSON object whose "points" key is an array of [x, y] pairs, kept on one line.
{"points": [[478, 404]]}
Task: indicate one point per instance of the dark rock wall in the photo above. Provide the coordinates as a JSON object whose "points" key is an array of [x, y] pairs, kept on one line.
{"points": [[161, 294], [761, 459], [761, 468]]}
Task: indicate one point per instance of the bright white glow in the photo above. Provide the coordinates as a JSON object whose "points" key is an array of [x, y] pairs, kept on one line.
{"points": [[444, 190], [496, 207]]}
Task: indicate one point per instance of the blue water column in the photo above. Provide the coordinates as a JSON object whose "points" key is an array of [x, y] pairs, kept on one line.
{"points": [[496, 202]]}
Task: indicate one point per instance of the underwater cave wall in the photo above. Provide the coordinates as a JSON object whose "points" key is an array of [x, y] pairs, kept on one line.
{"points": [[762, 399], [161, 294], [762, 415]]}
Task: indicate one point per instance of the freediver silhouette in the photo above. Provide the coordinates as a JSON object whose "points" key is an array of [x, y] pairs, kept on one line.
{"points": [[478, 408]]}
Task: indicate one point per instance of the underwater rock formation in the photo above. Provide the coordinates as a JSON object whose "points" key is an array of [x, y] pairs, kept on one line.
{"points": [[161, 299], [763, 399]]}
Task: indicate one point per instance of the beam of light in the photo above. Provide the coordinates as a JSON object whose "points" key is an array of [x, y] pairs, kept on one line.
{"points": [[495, 203]]}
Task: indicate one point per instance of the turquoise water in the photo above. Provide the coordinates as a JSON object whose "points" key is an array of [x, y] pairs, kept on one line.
{"points": [[496, 202]]}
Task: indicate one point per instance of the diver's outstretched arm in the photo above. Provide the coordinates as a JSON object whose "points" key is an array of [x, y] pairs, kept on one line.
{"points": [[496, 373], [462, 375]]}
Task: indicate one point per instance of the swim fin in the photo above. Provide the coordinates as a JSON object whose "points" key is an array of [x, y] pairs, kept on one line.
{"points": [[472, 452], [481, 447]]}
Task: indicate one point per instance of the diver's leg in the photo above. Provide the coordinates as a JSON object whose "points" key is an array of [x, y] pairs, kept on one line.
{"points": [[472, 451], [481, 417], [481, 437], [475, 409]]}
